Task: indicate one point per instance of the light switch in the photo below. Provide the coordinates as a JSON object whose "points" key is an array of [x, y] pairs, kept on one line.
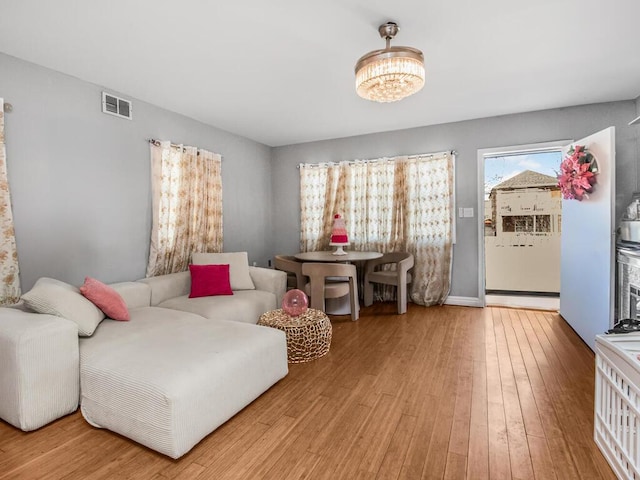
{"points": [[461, 212], [468, 212]]}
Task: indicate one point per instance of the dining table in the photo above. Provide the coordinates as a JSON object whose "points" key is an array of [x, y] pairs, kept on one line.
{"points": [[328, 256]]}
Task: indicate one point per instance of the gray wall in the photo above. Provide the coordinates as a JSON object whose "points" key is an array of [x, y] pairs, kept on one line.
{"points": [[80, 179], [636, 128], [465, 137]]}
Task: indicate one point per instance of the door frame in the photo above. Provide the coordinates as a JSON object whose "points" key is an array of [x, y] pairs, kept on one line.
{"points": [[483, 153]]}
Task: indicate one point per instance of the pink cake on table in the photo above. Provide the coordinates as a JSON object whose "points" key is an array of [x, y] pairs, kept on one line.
{"points": [[339, 231]]}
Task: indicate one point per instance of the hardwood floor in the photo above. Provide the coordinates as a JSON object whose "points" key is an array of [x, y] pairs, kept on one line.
{"points": [[438, 393]]}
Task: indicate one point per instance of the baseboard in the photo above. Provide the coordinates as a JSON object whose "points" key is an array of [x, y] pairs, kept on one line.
{"points": [[534, 303], [537, 303], [463, 301]]}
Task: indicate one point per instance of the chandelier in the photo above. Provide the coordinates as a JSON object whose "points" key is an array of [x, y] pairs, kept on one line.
{"points": [[391, 74]]}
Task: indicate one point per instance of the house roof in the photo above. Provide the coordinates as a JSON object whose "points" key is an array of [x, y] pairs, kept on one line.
{"points": [[527, 179]]}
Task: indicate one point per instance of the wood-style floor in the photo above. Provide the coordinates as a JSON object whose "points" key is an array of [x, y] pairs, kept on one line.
{"points": [[441, 392]]}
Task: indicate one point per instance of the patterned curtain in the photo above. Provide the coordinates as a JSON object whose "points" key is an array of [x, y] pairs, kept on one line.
{"points": [[319, 190], [389, 205], [9, 272], [186, 186], [429, 217]]}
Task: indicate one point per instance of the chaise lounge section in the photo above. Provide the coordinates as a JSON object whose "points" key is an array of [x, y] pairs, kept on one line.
{"points": [[166, 379]]}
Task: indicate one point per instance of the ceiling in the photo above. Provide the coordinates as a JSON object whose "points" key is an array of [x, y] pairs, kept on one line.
{"points": [[281, 71]]}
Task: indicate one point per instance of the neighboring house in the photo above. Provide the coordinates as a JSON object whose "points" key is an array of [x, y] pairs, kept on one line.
{"points": [[529, 203], [522, 234]]}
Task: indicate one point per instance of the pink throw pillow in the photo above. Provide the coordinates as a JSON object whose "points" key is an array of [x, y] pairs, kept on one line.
{"points": [[105, 298], [209, 280]]}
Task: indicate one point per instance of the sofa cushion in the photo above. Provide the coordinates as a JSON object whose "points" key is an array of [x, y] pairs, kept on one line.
{"points": [[208, 280], [164, 287], [54, 297], [146, 395], [105, 298], [244, 306], [270, 280], [135, 294], [238, 267]]}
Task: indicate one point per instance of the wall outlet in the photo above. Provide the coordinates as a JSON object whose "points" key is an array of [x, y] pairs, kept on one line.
{"points": [[465, 212]]}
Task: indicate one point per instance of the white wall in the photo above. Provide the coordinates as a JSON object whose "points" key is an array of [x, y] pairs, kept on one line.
{"points": [[80, 179], [532, 267], [465, 137], [526, 262]]}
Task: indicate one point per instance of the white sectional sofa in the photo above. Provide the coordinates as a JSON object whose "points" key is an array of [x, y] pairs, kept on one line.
{"points": [[167, 378]]}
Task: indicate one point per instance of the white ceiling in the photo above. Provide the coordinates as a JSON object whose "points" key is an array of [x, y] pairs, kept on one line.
{"points": [[281, 71]]}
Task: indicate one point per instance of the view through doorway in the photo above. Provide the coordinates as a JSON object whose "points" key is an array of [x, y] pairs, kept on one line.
{"points": [[522, 228]]}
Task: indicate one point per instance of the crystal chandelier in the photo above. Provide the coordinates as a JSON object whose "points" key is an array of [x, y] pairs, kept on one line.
{"points": [[391, 74]]}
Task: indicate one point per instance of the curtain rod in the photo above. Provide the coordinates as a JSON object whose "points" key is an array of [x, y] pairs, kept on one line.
{"points": [[157, 143], [370, 160]]}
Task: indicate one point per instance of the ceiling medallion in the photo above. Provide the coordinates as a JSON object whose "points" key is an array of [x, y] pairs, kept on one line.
{"points": [[391, 74]]}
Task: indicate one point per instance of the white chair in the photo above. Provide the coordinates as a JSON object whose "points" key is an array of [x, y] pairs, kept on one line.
{"points": [[289, 264], [399, 277], [319, 287]]}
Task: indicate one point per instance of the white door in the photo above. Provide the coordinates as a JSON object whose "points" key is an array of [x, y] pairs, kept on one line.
{"points": [[587, 251]]}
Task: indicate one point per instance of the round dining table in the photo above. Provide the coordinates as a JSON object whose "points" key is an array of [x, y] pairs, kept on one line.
{"points": [[328, 256]]}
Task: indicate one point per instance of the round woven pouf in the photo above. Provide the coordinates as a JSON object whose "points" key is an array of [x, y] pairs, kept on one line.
{"points": [[308, 335]]}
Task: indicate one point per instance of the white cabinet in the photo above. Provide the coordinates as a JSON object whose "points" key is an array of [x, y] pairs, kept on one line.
{"points": [[617, 402]]}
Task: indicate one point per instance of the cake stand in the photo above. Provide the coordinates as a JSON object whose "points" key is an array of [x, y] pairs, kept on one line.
{"points": [[339, 250]]}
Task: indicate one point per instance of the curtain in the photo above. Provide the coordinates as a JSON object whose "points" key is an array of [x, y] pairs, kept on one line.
{"points": [[186, 188], [319, 189], [389, 205], [429, 217], [9, 272]]}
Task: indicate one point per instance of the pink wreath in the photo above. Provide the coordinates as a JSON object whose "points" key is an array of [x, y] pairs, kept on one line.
{"points": [[577, 173]]}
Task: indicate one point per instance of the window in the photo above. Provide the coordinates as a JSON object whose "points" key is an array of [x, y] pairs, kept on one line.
{"points": [[389, 205], [543, 223], [186, 188], [526, 223], [517, 223]]}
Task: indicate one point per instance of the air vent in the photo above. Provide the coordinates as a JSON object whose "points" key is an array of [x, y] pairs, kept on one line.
{"points": [[116, 106]]}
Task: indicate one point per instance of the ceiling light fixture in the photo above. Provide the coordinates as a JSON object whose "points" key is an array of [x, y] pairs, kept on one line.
{"points": [[391, 74]]}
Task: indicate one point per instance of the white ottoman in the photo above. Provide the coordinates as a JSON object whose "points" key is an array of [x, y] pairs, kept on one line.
{"points": [[166, 379], [39, 370]]}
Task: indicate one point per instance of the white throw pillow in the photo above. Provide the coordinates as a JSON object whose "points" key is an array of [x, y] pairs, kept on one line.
{"points": [[54, 297], [238, 267]]}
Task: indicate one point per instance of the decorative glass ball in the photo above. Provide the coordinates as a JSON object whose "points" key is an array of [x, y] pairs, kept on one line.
{"points": [[295, 302]]}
